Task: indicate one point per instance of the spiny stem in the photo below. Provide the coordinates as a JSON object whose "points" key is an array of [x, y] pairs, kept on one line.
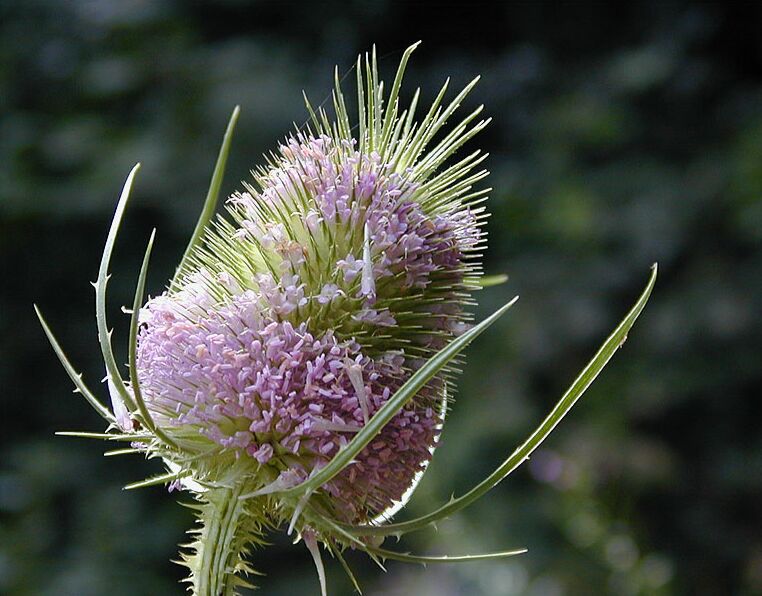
{"points": [[219, 546]]}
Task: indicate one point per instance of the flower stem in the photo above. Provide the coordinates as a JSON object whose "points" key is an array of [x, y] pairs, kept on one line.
{"points": [[220, 543]]}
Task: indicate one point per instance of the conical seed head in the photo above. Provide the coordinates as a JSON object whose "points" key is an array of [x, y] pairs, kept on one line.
{"points": [[339, 270]]}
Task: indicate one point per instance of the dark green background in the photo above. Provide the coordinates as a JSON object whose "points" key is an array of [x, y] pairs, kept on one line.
{"points": [[622, 135]]}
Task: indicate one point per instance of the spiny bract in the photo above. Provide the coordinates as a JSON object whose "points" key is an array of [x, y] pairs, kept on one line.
{"points": [[297, 370]]}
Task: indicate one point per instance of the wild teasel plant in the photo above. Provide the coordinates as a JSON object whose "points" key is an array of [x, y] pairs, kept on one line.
{"points": [[298, 368]]}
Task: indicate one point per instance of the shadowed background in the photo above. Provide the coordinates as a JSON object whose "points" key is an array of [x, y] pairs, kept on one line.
{"points": [[621, 136]]}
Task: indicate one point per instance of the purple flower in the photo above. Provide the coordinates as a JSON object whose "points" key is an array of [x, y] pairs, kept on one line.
{"points": [[263, 388], [296, 373], [290, 326]]}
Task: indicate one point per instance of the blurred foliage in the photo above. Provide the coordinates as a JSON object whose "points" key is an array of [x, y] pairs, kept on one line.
{"points": [[622, 135]]}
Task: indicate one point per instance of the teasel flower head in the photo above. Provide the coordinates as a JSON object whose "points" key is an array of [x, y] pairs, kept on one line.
{"points": [[297, 371]]}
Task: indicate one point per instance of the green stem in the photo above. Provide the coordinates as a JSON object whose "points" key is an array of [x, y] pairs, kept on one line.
{"points": [[219, 545]]}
